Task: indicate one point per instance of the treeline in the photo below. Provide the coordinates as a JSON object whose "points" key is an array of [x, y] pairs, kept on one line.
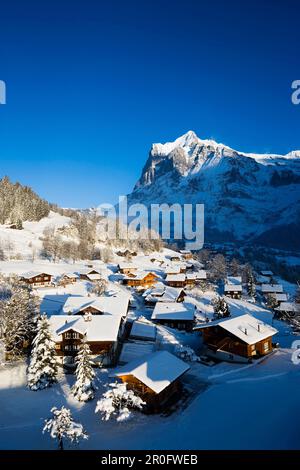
{"points": [[19, 203]]}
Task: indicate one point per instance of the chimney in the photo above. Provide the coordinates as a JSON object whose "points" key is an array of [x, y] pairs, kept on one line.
{"points": [[246, 331], [258, 327]]}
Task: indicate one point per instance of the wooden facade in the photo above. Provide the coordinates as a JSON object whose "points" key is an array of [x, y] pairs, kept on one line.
{"points": [[155, 402], [71, 342], [66, 280], [186, 325], [38, 280], [217, 338], [147, 281], [85, 276], [176, 283]]}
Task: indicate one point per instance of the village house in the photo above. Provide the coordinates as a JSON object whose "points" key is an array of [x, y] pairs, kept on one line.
{"points": [[90, 274], [143, 330], [36, 279], [175, 315], [288, 308], [155, 378], [176, 280], [233, 287], [116, 305], [279, 298], [195, 278], [271, 289], [126, 268], [164, 294], [186, 254], [126, 253], [141, 279], [101, 333], [237, 339], [68, 278]]}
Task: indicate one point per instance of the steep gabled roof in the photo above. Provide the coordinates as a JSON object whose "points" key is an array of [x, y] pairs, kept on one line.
{"points": [[157, 370]]}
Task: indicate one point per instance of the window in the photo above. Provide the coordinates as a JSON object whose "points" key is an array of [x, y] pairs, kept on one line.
{"points": [[68, 335], [266, 346], [75, 335], [252, 347]]}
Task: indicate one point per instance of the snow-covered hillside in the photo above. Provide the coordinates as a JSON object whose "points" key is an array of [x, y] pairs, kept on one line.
{"points": [[27, 243], [246, 196]]}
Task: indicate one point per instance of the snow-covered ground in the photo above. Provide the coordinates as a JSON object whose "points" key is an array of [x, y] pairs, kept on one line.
{"points": [[234, 407], [229, 406]]}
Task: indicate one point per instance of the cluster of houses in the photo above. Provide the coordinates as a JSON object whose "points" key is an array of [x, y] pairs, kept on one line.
{"points": [[154, 374]]}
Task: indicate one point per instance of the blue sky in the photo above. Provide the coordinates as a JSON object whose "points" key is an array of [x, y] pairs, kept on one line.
{"points": [[91, 84]]}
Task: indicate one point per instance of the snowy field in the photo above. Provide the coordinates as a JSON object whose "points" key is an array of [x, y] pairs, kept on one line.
{"points": [[236, 407]]}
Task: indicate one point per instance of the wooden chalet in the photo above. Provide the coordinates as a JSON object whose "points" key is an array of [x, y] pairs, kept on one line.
{"points": [[141, 279], [128, 269], [233, 287], [101, 333], [279, 298], [90, 274], [143, 330], [116, 305], [237, 339], [155, 378], [164, 294], [186, 254], [267, 289], [288, 308], [174, 315], [36, 279], [195, 278], [176, 280], [68, 278], [126, 253]]}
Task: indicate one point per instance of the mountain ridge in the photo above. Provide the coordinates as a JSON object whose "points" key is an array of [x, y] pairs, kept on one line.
{"points": [[246, 195]]}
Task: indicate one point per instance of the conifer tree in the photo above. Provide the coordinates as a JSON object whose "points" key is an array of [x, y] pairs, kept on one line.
{"points": [[84, 387], [42, 371]]}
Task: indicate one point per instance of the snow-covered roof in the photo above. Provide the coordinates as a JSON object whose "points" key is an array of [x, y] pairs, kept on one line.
{"points": [[281, 297], [173, 311], [288, 307], [263, 279], [87, 271], [155, 291], [266, 273], [126, 266], [94, 277], [111, 305], [175, 278], [98, 328], [70, 275], [233, 288], [185, 252], [140, 275], [245, 327], [172, 269], [143, 329], [157, 370], [31, 274], [271, 288], [233, 280], [132, 351], [201, 274]]}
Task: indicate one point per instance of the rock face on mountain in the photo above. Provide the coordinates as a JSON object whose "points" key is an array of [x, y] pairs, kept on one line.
{"points": [[247, 197]]}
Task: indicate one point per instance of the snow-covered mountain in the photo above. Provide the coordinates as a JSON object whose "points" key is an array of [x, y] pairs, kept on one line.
{"points": [[247, 197]]}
